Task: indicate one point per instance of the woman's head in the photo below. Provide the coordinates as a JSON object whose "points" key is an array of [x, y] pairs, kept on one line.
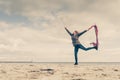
{"points": [[75, 32]]}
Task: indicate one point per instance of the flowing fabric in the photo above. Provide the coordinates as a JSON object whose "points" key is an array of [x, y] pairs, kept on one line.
{"points": [[96, 33]]}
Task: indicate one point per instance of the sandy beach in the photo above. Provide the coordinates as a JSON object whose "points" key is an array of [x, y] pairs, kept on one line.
{"points": [[58, 71]]}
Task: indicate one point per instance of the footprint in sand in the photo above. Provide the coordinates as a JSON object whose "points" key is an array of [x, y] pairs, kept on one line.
{"points": [[116, 70], [2, 71], [79, 79], [97, 69], [33, 76], [104, 74], [49, 71]]}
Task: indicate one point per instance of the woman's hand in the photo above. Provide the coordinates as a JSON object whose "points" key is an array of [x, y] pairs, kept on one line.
{"points": [[65, 28], [91, 27]]}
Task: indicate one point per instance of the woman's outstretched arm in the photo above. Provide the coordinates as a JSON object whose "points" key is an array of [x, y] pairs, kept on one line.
{"points": [[82, 32], [68, 31]]}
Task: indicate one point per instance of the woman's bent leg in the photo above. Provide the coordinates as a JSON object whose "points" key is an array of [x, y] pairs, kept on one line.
{"points": [[84, 48]]}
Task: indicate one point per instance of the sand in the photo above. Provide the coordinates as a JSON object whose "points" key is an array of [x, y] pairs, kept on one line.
{"points": [[51, 71]]}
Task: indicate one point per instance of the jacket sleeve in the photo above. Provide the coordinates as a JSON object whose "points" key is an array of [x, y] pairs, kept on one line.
{"points": [[68, 31], [82, 33]]}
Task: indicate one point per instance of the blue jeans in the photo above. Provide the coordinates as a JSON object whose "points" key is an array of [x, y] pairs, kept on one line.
{"points": [[76, 48]]}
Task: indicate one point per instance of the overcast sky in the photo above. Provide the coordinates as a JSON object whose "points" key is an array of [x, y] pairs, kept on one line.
{"points": [[34, 30]]}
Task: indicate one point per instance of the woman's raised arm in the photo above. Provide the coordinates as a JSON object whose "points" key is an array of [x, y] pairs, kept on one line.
{"points": [[68, 31]]}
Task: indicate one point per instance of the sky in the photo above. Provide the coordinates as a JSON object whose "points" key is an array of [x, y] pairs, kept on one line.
{"points": [[33, 30]]}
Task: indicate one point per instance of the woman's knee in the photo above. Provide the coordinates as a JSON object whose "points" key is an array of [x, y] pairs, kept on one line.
{"points": [[85, 49]]}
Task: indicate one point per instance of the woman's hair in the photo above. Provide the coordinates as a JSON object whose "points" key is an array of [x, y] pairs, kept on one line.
{"points": [[75, 31]]}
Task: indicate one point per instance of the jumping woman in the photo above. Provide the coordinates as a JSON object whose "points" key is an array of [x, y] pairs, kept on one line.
{"points": [[76, 43]]}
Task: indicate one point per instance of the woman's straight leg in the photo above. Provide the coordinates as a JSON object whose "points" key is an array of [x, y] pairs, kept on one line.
{"points": [[76, 54]]}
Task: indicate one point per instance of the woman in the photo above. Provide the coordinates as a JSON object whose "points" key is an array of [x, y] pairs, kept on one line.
{"points": [[76, 43]]}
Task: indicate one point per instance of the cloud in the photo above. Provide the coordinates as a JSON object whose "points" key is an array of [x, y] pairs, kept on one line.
{"points": [[77, 12], [39, 29], [23, 43]]}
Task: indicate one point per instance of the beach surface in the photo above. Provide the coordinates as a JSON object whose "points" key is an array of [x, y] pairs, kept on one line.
{"points": [[59, 71]]}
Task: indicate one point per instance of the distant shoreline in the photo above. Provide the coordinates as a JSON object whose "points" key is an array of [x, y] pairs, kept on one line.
{"points": [[59, 62]]}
